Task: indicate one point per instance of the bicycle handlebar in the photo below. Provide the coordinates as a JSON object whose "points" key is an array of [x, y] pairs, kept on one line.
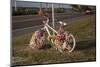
{"points": [[62, 23], [47, 20]]}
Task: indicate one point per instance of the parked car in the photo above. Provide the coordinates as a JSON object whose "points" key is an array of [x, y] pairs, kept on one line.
{"points": [[88, 11]]}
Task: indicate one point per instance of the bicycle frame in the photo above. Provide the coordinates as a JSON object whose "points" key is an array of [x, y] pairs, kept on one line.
{"points": [[47, 27]]}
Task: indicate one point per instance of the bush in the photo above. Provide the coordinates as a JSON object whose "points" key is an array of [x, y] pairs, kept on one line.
{"points": [[30, 11], [24, 11]]}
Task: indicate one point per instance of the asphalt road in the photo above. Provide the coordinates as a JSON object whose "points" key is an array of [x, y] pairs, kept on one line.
{"points": [[21, 31], [19, 22]]}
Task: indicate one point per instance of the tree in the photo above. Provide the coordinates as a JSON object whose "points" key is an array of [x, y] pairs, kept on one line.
{"points": [[79, 8]]}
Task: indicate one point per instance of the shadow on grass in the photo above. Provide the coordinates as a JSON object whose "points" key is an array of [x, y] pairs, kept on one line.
{"points": [[83, 45], [46, 47]]}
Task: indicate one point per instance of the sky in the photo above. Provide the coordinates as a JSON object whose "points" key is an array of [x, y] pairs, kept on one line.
{"points": [[37, 4]]}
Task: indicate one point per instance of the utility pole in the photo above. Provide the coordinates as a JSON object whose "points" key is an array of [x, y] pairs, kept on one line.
{"points": [[53, 24], [15, 5]]}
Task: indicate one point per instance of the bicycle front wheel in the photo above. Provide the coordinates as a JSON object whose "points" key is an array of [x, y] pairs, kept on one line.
{"points": [[70, 43]]}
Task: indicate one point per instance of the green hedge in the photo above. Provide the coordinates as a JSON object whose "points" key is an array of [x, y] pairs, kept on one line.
{"points": [[24, 11]]}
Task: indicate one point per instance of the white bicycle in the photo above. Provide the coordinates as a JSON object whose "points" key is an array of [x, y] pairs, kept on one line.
{"points": [[69, 43]]}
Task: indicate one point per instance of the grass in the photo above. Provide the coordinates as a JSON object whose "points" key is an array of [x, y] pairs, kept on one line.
{"points": [[84, 32]]}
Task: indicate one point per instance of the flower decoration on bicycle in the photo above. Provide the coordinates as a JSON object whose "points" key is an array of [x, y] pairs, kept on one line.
{"points": [[62, 40], [37, 40]]}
